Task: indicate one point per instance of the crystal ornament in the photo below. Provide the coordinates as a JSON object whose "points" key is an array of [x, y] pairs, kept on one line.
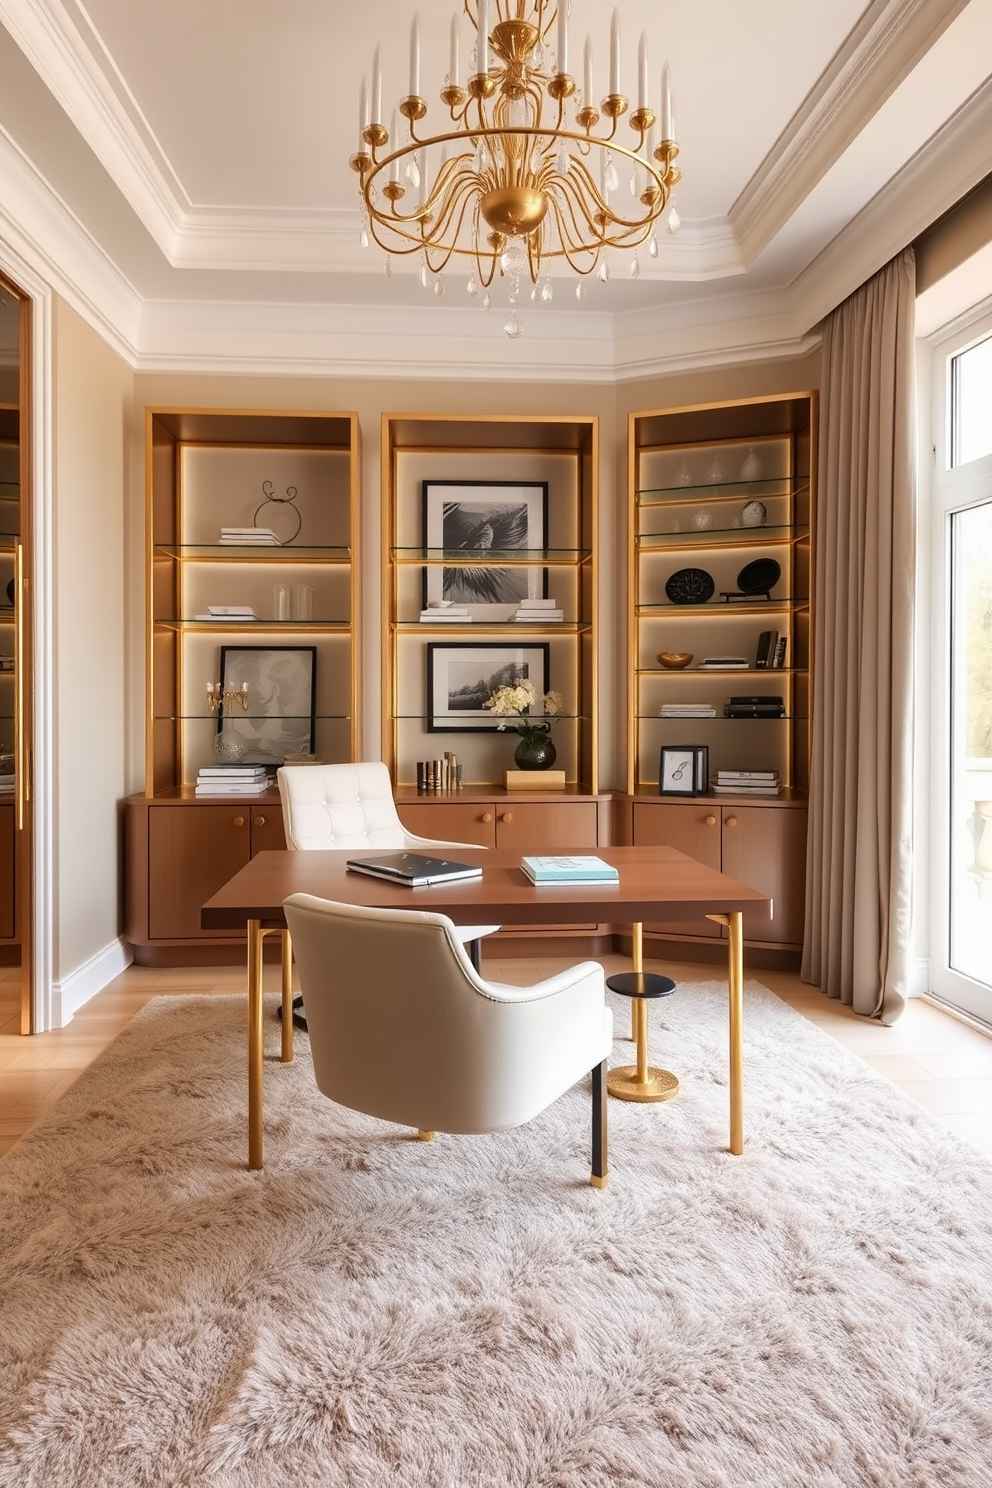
{"points": [[487, 302], [564, 160], [439, 288], [364, 239], [513, 326], [387, 267], [547, 293], [472, 287], [674, 222], [580, 289], [653, 246], [603, 273], [412, 173], [424, 276], [612, 179], [481, 162], [635, 269]]}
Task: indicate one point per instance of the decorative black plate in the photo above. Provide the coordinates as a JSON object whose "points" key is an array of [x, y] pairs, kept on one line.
{"points": [[760, 576], [690, 586]]}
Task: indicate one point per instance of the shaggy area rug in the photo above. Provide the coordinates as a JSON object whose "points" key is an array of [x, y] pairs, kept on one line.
{"points": [[371, 1310]]}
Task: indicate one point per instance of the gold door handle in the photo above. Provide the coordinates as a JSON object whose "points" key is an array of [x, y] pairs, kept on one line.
{"points": [[711, 821], [731, 821], [259, 821], [22, 784], [239, 821], [507, 816], [486, 816]]}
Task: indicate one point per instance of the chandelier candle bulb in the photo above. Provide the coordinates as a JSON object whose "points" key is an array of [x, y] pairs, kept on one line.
{"points": [[667, 107], [642, 71], [615, 54], [483, 42], [587, 73], [415, 56], [376, 104], [363, 113], [563, 36], [454, 65]]}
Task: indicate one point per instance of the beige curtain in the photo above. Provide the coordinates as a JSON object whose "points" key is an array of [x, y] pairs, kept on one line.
{"points": [[858, 886]]}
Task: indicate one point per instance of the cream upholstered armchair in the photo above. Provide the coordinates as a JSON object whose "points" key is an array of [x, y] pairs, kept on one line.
{"points": [[352, 807], [403, 1027]]}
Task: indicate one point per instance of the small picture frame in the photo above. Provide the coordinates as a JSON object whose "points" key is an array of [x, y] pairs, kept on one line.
{"points": [[683, 770], [281, 716], [463, 674]]}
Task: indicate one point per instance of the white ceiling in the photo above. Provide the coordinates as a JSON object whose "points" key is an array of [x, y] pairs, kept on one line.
{"points": [[180, 166]]}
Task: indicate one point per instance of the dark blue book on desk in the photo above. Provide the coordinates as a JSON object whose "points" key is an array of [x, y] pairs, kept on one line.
{"points": [[414, 870]]}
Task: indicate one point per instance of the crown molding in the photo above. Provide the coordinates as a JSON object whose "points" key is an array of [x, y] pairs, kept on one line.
{"points": [[954, 160], [881, 50], [57, 52], [39, 226]]}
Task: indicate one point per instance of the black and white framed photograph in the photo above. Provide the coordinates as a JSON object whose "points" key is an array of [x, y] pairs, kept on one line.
{"points": [[477, 518], [281, 714], [683, 770], [461, 676]]}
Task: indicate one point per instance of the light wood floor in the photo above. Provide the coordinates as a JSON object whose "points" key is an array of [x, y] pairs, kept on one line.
{"points": [[939, 1061]]}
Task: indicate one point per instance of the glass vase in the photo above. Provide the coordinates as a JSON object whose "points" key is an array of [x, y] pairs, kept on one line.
{"points": [[230, 747]]}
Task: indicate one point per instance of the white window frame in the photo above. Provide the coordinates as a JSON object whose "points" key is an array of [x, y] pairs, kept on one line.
{"points": [[947, 492]]}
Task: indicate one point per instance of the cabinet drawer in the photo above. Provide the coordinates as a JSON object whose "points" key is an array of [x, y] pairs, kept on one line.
{"points": [[450, 821]]}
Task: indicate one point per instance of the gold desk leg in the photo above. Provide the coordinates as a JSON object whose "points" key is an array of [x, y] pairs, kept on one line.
{"points": [[287, 996], [254, 1044], [735, 1008], [637, 964]]}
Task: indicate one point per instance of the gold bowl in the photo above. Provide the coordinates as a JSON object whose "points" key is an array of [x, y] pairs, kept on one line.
{"points": [[675, 660]]}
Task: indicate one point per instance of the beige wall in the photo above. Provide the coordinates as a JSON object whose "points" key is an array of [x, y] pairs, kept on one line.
{"points": [[92, 410], [371, 398]]}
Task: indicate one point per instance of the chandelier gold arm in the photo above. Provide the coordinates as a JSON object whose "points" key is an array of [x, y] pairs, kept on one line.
{"points": [[613, 105], [561, 86], [413, 107]]}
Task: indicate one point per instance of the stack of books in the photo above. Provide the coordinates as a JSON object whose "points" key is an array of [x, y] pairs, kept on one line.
{"points": [[687, 710], [243, 537], [724, 664], [538, 612], [232, 780], [6, 663], [771, 650], [7, 784], [548, 870], [234, 614], [746, 783], [445, 614], [753, 706]]}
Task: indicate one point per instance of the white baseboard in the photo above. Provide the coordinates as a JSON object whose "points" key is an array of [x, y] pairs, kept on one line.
{"points": [[86, 981]]}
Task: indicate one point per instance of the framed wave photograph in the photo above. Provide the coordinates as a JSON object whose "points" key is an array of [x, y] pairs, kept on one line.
{"points": [[281, 714], [462, 675], [485, 520]]}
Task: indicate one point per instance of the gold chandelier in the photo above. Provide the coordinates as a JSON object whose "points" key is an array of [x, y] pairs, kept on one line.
{"points": [[526, 171]]}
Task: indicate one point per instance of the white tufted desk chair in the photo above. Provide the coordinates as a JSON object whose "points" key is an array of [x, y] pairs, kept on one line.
{"points": [[351, 807], [403, 1027]]}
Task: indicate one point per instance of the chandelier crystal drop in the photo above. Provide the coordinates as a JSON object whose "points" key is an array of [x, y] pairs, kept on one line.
{"points": [[517, 172]]}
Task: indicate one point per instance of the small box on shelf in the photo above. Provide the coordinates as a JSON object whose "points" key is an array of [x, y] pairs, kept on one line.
{"points": [[515, 780]]}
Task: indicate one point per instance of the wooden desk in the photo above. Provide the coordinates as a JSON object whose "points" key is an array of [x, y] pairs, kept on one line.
{"points": [[656, 883]]}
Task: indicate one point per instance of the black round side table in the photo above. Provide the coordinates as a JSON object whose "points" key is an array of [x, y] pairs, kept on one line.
{"points": [[641, 1082]]}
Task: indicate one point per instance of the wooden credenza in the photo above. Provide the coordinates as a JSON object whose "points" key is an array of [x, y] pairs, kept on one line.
{"points": [[533, 822], [179, 851], [763, 845]]}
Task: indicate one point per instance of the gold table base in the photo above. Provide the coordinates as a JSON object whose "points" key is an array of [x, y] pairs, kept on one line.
{"points": [[625, 1083]]}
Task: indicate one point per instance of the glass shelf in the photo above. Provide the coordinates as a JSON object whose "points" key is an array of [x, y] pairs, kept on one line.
{"points": [[781, 485], [468, 720], [239, 717], [318, 627], [721, 718], [723, 608], [696, 672], [707, 537], [525, 627], [491, 557], [217, 552]]}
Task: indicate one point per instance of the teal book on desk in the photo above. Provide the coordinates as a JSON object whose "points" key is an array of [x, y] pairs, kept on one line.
{"points": [[561, 869]]}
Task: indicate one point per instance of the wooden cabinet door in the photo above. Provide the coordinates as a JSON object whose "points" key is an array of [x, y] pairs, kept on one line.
{"points": [[692, 827], [8, 874], [767, 850], [451, 821], [547, 826], [192, 851], [267, 830]]}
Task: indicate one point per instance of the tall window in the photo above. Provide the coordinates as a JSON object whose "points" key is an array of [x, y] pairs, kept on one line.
{"points": [[961, 930]]}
